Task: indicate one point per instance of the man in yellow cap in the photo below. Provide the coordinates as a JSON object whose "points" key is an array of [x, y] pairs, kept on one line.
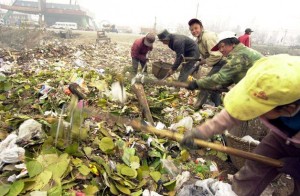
{"points": [[270, 90]]}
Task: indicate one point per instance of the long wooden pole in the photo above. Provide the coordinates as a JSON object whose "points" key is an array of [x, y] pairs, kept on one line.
{"points": [[166, 83], [178, 84], [138, 125], [178, 137]]}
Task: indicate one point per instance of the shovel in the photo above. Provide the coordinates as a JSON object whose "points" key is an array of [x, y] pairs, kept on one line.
{"points": [[143, 126]]}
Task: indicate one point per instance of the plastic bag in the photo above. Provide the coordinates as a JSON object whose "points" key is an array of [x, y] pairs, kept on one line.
{"points": [[29, 129], [207, 187], [248, 138], [170, 167], [118, 92], [215, 187], [186, 122], [9, 151], [146, 192], [180, 179]]}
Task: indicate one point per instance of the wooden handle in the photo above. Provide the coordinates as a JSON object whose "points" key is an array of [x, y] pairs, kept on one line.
{"points": [[236, 152], [140, 93], [136, 124], [166, 83], [181, 85], [191, 59]]}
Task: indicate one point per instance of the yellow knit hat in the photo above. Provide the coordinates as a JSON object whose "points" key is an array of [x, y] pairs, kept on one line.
{"points": [[272, 81]]}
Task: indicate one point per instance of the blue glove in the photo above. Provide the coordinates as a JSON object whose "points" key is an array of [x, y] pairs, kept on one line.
{"points": [[291, 166]]}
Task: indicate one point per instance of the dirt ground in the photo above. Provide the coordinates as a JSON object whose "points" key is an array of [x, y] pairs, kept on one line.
{"points": [[23, 39]]}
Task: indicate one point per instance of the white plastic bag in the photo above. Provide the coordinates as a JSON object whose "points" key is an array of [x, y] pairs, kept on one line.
{"points": [[215, 187], [186, 122], [12, 155], [146, 192], [8, 142], [118, 92], [29, 129], [248, 138], [180, 179]]}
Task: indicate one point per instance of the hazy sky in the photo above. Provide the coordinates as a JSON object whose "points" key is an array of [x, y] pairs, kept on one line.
{"points": [[276, 15]]}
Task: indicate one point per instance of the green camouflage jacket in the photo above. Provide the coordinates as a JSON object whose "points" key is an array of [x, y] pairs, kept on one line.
{"points": [[239, 60]]}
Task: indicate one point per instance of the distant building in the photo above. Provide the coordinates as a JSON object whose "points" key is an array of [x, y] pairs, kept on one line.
{"points": [[52, 12], [15, 17], [145, 30]]}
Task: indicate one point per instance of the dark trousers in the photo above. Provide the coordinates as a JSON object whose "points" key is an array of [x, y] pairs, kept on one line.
{"points": [[214, 96], [254, 177], [185, 71], [135, 65]]}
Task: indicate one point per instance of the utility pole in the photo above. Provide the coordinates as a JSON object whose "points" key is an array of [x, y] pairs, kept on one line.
{"points": [[41, 6], [154, 27], [197, 10], [284, 35]]}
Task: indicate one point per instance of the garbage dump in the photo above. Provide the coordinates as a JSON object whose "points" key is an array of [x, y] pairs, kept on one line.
{"points": [[54, 142]]}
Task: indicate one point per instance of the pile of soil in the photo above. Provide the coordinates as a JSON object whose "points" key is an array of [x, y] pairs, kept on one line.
{"points": [[19, 39]]}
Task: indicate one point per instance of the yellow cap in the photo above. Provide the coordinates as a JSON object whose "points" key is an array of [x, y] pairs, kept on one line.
{"points": [[272, 81]]}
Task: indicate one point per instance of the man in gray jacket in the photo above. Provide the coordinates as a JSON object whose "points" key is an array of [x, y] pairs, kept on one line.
{"points": [[184, 47]]}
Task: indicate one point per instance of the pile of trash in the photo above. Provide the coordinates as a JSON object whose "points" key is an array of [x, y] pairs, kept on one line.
{"points": [[53, 143], [22, 38]]}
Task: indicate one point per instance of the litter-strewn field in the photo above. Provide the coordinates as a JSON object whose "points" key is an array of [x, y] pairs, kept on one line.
{"points": [[54, 144]]}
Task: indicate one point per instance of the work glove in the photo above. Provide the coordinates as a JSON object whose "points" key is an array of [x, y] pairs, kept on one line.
{"points": [[192, 86], [291, 166], [189, 136]]}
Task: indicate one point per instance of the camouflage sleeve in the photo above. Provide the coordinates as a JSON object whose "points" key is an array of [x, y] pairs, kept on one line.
{"points": [[225, 77]]}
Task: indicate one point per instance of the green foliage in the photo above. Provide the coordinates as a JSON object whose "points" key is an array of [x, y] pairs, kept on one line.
{"points": [[107, 145], [34, 168]]}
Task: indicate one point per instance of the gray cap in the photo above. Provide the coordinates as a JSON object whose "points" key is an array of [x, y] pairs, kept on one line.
{"points": [[164, 35], [149, 39]]}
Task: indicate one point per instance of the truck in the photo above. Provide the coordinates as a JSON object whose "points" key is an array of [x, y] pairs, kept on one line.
{"points": [[65, 25], [109, 28]]}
